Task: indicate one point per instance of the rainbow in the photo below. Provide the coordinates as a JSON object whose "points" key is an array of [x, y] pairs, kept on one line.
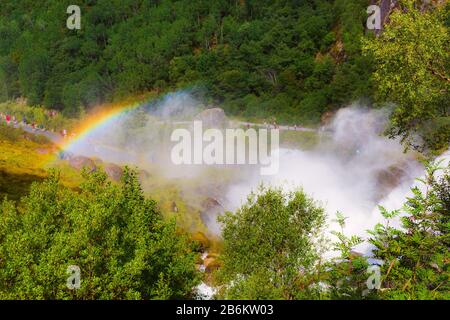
{"points": [[100, 118], [103, 118]]}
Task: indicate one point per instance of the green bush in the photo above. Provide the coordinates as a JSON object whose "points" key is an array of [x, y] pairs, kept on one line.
{"points": [[111, 232]]}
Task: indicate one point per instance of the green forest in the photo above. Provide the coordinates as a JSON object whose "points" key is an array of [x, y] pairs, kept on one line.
{"points": [[257, 57], [289, 61], [127, 251]]}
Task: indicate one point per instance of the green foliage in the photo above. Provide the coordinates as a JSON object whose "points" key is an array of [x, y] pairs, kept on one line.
{"points": [[271, 248], [436, 134], [416, 257], [281, 53], [114, 234], [346, 276], [345, 244], [271, 245], [411, 69]]}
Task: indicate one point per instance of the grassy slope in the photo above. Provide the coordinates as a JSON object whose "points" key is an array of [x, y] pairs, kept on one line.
{"points": [[25, 158]]}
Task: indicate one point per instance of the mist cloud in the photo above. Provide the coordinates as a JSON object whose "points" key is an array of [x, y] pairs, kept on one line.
{"points": [[352, 169]]}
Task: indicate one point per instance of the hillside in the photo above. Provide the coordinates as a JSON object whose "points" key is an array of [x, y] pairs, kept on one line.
{"points": [[289, 60]]}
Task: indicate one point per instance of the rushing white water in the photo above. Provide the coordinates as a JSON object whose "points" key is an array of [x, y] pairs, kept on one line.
{"points": [[352, 169], [351, 172]]}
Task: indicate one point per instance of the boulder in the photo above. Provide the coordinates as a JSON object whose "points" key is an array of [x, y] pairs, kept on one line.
{"points": [[65, 155], [388, 179], [80, 162], [211, 209], [98, 162], [143, 176], [113, 171], [327, 118], [212, 118], [210, 204], [211, 263]]}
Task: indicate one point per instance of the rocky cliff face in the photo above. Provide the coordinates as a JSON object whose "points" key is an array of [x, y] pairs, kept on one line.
{"points": [[387, 6]]}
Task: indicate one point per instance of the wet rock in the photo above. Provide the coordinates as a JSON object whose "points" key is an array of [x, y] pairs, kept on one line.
{"points": [[80, 162], [211, 263], [211, 209], [211, 203], [143, 176], [327, 118], [65, 155], [212, 118], [113, 171], [386, 8], [355, 254], [98, 162], [388, 179]]}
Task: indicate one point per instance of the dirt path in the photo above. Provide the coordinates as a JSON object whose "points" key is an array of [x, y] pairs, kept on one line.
{"points": [[271, 126], [52, 136]]}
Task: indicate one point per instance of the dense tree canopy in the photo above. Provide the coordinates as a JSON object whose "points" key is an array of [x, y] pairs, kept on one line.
{"points": [[416, 258], [271, 249], [412, 63], [271, 245], [291, 58], [111, 232]]}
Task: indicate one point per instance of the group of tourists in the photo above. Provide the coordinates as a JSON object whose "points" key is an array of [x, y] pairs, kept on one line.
{"points": [[274, 125], [12, 120]]}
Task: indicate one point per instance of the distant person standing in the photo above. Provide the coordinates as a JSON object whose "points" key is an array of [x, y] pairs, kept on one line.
{"points": [[8, 118]]}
